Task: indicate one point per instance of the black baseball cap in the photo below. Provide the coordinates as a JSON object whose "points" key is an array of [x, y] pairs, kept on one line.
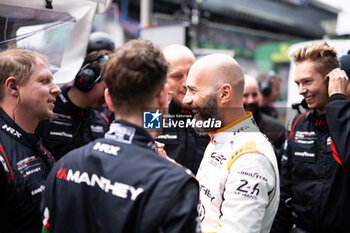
{"points": [[100, 41], [345, 63]]}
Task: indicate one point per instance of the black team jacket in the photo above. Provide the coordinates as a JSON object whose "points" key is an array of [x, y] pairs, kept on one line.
{"points": [[183, 145], [120, 184], [71, 126], [315, 188], [24, 167], [338, 120]]}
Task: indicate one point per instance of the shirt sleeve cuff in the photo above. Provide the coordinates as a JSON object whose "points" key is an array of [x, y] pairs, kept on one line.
{"points": [[337, 96]]}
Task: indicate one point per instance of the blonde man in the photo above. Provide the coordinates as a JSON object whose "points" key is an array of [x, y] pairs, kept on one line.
{"points": [[27, 95], [312, 182]]}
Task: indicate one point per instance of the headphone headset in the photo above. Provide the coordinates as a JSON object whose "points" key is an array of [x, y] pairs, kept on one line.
{"points": [[13, 87], [90, 74], [266, 85]]}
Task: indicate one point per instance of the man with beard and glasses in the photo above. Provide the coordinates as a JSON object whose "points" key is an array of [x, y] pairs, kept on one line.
{"points": [[238, 176], [272, 128], [182, 144]]}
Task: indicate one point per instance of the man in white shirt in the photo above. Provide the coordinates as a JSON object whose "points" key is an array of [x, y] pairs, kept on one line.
{"points": [[238, 176]]}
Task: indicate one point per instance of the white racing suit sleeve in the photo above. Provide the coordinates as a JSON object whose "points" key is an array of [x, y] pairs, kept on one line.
{"points": [[249, 187]]}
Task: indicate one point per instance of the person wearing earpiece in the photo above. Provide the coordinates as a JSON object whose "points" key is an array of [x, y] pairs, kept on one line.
{"points": [[102, 42], [269, 86], [76, 120], [27, 95]]}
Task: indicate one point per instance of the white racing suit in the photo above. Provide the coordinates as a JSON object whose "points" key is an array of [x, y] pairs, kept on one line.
{"points": [[239, 181]]}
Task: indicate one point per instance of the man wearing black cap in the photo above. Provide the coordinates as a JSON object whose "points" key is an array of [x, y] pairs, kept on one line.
{"points": [[102, 42], [338, 111], [76, 120]]}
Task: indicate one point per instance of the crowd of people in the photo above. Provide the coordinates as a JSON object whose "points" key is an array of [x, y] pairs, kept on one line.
{"points": [[70, 164]]}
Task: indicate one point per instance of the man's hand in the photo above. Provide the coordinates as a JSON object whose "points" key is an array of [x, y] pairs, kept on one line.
{"points": [[161, 150], [163, 153], [338, 82]]}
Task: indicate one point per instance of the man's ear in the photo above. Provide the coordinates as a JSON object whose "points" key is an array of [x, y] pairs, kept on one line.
{"points": [[11, 87], [225, 93], [108, 100], [163, 97]]}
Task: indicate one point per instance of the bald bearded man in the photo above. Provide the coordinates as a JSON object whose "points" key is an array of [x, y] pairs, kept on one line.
{"points": [[238, 176], [182, 144]]}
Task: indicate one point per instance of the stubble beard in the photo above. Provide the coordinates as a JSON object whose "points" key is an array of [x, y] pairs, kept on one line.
{"points": [[210, 111]]}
